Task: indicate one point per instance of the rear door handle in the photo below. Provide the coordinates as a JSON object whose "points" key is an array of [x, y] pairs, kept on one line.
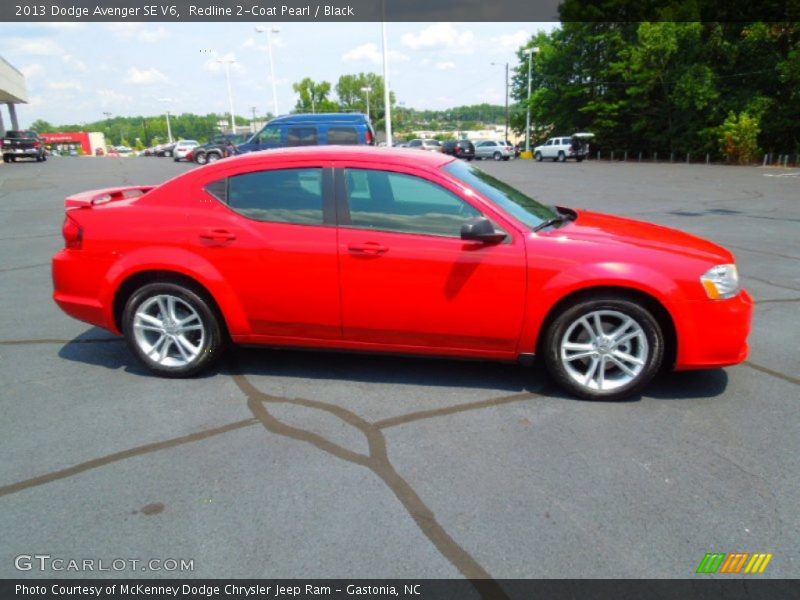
{"points": [[367, 248], [217, 235]]}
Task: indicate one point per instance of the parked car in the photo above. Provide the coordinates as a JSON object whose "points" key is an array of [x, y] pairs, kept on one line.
{"points": [[394, 251], [459, 148], [22, 144], [563, 147], [494, 149], [429, 145], [165, 150], [350, 129], [220, 146], [183, 148]]}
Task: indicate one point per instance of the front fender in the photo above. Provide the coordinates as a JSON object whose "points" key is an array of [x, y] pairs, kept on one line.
{"points": [[177, 260], [545, 293]]}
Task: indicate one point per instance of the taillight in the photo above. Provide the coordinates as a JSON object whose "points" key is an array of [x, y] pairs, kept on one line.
{"points": [[370, 139], [73, 234]]}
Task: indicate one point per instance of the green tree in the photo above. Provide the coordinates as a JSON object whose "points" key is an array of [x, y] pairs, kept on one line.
{"points": [[350, 89], [313, 96], [738, 137], [41, 126]]}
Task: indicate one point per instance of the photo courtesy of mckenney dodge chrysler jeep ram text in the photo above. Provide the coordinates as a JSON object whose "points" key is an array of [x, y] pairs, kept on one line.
{"points": [[383, 250]]}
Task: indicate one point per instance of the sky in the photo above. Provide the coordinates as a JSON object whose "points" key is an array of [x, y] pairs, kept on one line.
{"points": [[76, 72]]}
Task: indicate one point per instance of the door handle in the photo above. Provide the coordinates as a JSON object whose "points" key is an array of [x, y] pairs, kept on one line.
{"points": [[217, 235], [367, 248]]}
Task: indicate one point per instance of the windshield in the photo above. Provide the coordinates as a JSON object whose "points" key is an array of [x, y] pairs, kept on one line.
{"points": [[526, 209]]}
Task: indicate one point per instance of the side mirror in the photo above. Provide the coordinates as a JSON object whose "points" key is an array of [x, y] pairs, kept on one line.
{"points": [[480, 229]]}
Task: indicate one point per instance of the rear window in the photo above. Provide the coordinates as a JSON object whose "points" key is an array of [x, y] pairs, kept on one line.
{"points": [[278, 196], [342, 135], [19, 135], [302, 136]]}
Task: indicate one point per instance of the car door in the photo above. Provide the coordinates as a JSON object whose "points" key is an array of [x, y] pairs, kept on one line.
{"points": [[408, 281], [270, 235], [547, 151]]}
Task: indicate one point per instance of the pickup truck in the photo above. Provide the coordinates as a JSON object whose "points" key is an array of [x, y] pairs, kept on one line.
{"points": [[23, 144]]}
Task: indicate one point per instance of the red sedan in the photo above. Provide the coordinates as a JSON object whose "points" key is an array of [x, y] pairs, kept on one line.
{"points": [[383, 250]]}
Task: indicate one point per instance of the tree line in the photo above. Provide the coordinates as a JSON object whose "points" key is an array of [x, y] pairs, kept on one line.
{"points": [[730, 89]]}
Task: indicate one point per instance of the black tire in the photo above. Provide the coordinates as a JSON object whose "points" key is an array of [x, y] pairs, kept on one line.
{"points": [[201, 158], [5, 158], [497, 156], [579, 158], [213, 157], [538, 157], [506, 158], [470, 158], [647, 346], [561, 156], [207, 343]]}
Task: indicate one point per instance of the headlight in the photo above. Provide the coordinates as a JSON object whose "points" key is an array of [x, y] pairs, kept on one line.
{"points": [[721, 282]]}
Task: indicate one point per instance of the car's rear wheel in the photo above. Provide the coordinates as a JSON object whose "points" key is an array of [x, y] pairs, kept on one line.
{"points": [[561, 156], [606, 348], [172, 329], [497, 156], [212, 157]]}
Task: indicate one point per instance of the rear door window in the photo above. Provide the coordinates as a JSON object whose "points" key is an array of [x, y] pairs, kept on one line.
{"points": [[302, 136], [342, 135], [280, 195]]}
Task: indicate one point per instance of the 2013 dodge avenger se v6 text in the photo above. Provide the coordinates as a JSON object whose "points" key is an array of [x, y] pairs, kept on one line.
{"points": [[374, 249]]}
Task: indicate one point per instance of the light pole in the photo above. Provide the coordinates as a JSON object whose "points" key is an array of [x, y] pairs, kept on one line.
{"points": [[269, 32], [366, 89], [169, 129], [387, 94], [506, 136], [531, 52], [228, 62]]}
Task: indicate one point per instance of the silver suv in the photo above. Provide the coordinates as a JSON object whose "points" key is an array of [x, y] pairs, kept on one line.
{"points": [[492, 149], [561, 148]]}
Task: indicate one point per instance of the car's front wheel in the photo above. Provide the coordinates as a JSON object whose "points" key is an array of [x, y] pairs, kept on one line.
{"points": [[538, 156], [606, 348], [497, 156], [200, 159], [172, 329]]}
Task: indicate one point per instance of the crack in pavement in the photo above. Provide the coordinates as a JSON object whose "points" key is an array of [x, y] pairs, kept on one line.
{"points": [[773, 284], [377, 461], [772, 372], [777, 301], [13, 488], [24, 267], [64, 342]]}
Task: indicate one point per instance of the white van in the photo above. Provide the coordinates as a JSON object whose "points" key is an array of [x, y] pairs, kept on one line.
{"points": [[563, 147]]}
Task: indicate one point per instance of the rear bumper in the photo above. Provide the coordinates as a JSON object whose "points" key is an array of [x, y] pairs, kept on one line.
{"points": [[714, 333], [76, 289]]}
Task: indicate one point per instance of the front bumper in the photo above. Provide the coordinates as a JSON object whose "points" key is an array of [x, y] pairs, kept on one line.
{"points": [[713, 333]]}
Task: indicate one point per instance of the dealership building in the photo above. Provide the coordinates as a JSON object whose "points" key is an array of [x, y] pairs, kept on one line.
{"points": [[12, 92]]}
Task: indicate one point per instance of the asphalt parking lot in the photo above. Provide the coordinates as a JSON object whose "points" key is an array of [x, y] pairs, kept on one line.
{"points": [[284, 464]]}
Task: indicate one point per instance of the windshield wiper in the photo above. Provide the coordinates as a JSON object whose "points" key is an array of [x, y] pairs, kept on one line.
{"points": [[560, 218]]}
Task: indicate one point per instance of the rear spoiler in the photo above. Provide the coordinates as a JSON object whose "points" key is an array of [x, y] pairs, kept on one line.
{"points": [[103, 196]]}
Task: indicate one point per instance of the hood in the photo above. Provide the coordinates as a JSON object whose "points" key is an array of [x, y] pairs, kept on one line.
{"points": [[608, 229]]}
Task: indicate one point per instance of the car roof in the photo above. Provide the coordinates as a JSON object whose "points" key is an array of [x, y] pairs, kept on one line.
{"points": [[321, 118], [349, 153]]}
